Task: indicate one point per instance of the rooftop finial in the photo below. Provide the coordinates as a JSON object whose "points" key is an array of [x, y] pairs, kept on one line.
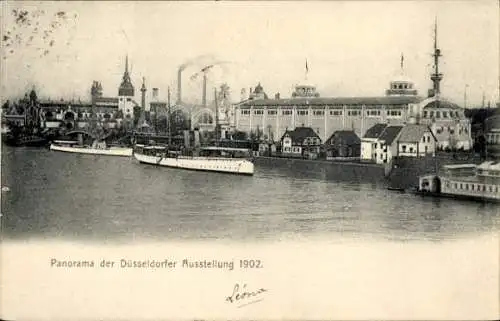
{"points": [[307, 69], [402, 62], [126, 63]]}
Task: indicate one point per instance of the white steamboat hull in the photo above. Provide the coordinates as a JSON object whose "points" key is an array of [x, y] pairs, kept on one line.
{"points": [[212, 164], [111, 151]]}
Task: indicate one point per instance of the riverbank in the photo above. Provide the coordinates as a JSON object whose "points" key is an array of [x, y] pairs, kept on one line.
{"points": [[327, 169], [401, 174]]}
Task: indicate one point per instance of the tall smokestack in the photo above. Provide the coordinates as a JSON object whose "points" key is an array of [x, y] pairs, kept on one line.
{"points": [[179, 85], [204, 98]]}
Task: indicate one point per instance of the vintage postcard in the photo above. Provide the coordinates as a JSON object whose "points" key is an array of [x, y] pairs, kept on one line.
{"points": [[239, 160]]}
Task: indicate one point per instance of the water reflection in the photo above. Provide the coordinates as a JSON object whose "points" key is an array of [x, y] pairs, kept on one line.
{"points": [[57, 195]]}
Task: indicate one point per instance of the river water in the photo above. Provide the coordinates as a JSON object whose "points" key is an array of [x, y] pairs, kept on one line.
{"points": [[328, 247], [57, 195]]}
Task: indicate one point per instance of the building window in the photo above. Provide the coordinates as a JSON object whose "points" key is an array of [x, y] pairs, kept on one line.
{"points": [[302, 112], [438, 114], [425, 113], [272, 112], [258, 112], [445, 114], [318, 112], [403, 147], [394, 113], [129, 99], [373, 113], [455, 185], [245, 112], [411, 149], [335, 112], [286, 112], [431, 114]]}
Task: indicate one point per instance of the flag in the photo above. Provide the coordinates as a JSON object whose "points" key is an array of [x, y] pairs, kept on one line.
{"points": [[402, 60], [307, 68]]}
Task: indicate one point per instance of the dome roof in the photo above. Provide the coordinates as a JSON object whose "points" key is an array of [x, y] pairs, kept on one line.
{"points": [[258, 89], [442, 104], [307, 85], [401, 78]]}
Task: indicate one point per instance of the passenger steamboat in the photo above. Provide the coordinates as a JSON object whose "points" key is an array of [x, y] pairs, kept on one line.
{"points": [[210, 158], [97, 148], [213, 159], [464, 181]]}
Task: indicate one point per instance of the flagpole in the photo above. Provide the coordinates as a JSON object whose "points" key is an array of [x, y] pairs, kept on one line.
{"points": [[307, 69], [402, 60]]}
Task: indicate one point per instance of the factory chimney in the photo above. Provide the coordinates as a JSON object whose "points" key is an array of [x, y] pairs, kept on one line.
{"points": [[204, 97], [179, 86], [155, 94], [143, 94]]}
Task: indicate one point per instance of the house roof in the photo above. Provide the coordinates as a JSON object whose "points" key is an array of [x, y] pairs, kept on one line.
{"points": [[106, 100], [300, 133], [390, 133], [321, 101], [375, 131], [347, 137], [413, 133]]}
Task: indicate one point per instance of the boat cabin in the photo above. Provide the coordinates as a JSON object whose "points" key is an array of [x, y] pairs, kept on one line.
{"points": [[69, 143], [459, 170], [229, 152], [489, 172], [429, 184]]}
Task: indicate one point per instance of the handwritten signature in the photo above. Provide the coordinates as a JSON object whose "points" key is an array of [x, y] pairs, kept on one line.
{"points": [[243, 297]]}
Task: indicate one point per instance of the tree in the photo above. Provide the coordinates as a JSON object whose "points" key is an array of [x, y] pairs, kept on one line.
{"points": [[239, 135]]}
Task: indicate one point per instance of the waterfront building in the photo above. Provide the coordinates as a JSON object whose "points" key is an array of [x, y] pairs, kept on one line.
{"points": [[109, 111], [386, 146], [343, 144], [300, 142], [492, 127], [416, 140], [23, 113], [370, 140], [401, 104], [382, 142]]}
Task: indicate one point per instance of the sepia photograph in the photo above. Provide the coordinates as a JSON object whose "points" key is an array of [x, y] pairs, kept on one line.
{"points": [[250, 160]]}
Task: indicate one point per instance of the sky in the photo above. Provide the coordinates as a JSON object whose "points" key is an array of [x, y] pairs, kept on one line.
{"points": [[352, 48]]}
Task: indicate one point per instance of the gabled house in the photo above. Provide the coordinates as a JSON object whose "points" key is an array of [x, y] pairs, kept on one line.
{"points": [[343, 143], [379, 143], [301, 142], [369, 141], [416, 140]]}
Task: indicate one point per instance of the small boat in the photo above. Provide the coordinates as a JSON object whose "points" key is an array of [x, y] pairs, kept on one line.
{"points": [[24, 140], [213, 159], [396, 189], [464, 181], [97, 148]]}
